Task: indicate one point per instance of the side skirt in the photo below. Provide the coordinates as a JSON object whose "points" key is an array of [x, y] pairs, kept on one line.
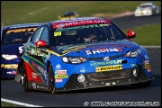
{"points": [[38, 86]]}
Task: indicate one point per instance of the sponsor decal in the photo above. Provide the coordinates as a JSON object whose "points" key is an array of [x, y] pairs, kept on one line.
{"points": [[133, 65], [83, 70], [58, 33], [146, 66], [60, 71], [66, 24], [112, 62], [73, 49], [11, 72], [103, 50], [108, 68], [34, 75], [9, 66], [58, 66], [34, 85], [149, 70], [41, 87], [39, 68], [146, 62], [20, 30], [106, 58], [58, 80], [61, 76]]}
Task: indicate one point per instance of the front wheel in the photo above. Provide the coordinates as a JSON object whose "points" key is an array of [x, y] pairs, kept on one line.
{"points": [[51, 81], [24, 78]]}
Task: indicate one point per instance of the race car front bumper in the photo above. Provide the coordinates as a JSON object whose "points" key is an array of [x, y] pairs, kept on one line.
{"points": [[104, 79], [143, 13]]}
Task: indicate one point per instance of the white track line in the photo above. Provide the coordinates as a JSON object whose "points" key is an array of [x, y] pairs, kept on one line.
{"points": [[152, 46], [19, 103]]}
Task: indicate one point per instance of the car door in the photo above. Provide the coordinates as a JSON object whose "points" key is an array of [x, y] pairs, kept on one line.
{"points": [[36, 54]]}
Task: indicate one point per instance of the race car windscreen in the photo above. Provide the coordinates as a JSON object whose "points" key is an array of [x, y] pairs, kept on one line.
{"points": [[18, 35], [145, 6], [87, 33]]}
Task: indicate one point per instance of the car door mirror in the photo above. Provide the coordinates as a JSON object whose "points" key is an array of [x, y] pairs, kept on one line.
{"points": [[131, 34], [40, 43]]}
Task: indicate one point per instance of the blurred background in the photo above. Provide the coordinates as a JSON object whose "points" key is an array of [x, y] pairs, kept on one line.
{"points": [[148, 27], [13, 12]]}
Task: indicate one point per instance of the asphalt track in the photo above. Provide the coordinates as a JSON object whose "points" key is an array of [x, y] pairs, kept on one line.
{"points": [[108, 96]]}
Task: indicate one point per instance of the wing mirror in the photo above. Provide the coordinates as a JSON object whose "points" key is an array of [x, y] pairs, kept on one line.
{"points": [[40, 43], [131, 34]]}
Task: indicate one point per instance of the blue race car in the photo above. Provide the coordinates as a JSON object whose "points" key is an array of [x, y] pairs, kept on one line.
{"points": [[12, 39], [81, 53]]}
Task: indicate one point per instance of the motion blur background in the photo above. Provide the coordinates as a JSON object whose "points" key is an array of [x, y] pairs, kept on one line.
{"points": [[13, 12]]}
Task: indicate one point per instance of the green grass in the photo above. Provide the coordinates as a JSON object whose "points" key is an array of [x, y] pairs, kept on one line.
{"points": [[5, 104], [147, 35], [13, 12]]}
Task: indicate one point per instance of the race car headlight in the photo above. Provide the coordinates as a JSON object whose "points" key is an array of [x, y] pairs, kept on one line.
{"points": [[73, 60], [134, 53], [9, 57]]}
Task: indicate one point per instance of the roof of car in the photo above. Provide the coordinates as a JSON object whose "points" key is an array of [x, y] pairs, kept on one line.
{"points": [[78, 21], [69, 13], [147, 3]]}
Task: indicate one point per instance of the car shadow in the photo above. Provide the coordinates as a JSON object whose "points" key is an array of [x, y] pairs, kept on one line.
{"points": [[7, 79]]}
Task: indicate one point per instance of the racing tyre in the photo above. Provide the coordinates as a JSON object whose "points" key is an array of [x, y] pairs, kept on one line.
{"points": [[142, 85], [51, 81], [24, 78]]}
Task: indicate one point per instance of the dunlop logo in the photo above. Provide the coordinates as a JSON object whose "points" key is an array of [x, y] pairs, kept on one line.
{"points": [[108, 68]]}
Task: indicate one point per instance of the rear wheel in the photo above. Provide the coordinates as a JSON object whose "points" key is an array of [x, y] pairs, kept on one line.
{"points": [[51, 80], [24, 78]]}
